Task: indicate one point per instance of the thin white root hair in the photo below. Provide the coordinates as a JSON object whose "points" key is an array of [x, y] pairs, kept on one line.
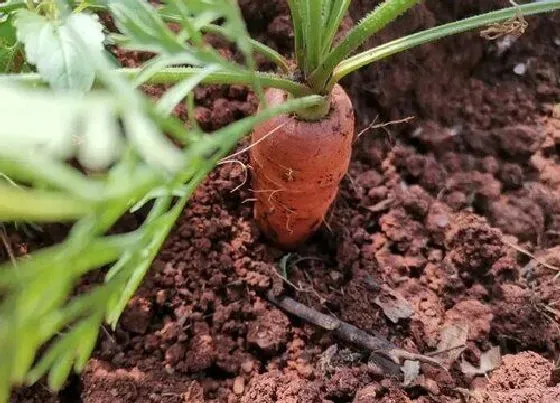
{"points": [[245, 172], [270, 133], [373, 126]]}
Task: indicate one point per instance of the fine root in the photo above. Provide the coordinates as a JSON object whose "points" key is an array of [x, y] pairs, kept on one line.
{"points": [[270, 133], [299, 287], [243, 168], [515, 26], [374, 126], [288, 216]]}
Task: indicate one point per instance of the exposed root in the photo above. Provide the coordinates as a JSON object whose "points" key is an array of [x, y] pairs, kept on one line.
{"points": [[245, 171], [271, 196], [288, 216], [351, 180], [373, 126], [515, 26], [270, 133], [300, 288], [289, 175]]}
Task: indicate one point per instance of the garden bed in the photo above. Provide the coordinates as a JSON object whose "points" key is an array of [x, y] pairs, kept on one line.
{"points": [[434, 209]]}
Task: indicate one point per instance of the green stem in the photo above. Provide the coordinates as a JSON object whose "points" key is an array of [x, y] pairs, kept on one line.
{"points": [[175, 74], [314, 33], [433, 34], [268, 80], [385, 13], [23, 205], [297, 22], [339, 8]]}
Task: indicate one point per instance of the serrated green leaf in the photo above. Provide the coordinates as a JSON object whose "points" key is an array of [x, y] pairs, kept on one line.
{"points": [[160, 62], [143, 27], [56, 52], [24, 354], [60, 370], [86, 341]]}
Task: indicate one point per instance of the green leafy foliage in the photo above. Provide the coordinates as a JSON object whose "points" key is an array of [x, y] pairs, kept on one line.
{"points": [[383, 14], [52, 47]]}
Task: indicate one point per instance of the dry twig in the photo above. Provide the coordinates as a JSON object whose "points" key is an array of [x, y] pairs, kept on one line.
{"points": [[373, 126], [384, 353]]}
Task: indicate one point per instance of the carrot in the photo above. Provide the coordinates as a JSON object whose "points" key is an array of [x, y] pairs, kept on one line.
{"points": [[297, 167]]}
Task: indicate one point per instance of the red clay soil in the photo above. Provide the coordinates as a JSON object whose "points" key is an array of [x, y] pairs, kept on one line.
{"points": [[429, 209]]}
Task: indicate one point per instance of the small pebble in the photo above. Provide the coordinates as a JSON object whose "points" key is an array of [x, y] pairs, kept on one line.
{"points": [[520, 69]]}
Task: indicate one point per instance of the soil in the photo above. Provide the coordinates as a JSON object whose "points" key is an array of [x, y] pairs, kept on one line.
{"points": [[432, 209]]}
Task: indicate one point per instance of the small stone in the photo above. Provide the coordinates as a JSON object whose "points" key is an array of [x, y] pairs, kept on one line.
{"points": [[239, 385], [520, 69], [114, 392]]}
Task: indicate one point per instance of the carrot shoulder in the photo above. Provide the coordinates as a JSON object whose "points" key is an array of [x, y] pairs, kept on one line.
{"points": [[297, 167]]}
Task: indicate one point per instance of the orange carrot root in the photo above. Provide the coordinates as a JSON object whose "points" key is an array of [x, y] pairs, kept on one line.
{"points": [[302, 163]]}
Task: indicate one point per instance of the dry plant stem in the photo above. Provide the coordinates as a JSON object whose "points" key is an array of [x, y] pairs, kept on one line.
{"points": [[378, 345], [303, 164]]}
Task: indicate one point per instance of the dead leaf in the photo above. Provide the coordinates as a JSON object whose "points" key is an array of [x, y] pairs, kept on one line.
{"points": [[394, 305], [452, 344], [489, 361], [411, 369]]}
